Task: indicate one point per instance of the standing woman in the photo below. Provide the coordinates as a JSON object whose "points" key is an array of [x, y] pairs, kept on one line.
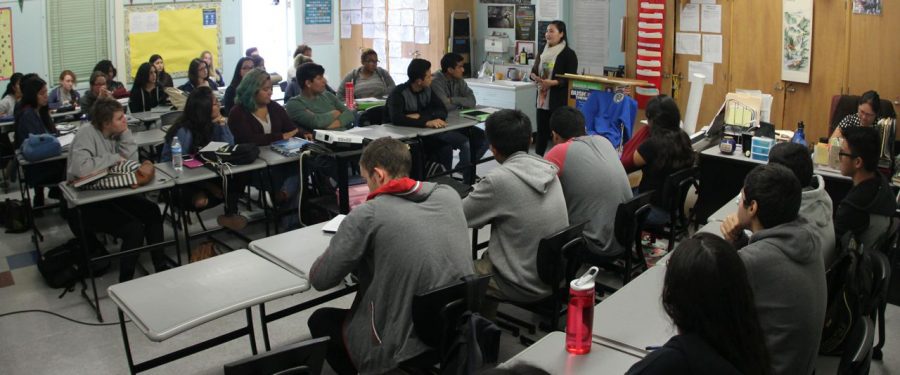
{"points": [[163, 79], [244, 65], [64, 95], [11, 96], [145, 93], [555, 59], [32, 116], [214, 73]]}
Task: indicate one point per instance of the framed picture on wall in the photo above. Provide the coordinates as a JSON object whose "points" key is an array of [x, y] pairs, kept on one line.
{"points": [[527, 46]]}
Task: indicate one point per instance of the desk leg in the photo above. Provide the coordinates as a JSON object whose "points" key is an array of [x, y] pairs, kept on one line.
{"points": [[88, 262], [250, 331], [474, 243], [265, 325], [343, 180], [183, 216], [470, 179], [125, 340]]}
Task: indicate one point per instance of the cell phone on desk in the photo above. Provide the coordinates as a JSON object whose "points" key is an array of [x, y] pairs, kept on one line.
{"points": [[193, 163]]}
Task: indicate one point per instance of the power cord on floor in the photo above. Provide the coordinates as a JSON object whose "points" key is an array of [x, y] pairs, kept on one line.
{"points": [[61, 316]]}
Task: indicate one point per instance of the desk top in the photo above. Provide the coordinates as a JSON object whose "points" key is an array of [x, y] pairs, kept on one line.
{"points": [[454, 122], [607, 80], [271, 157], [77, 197], [549, 354], [295, 251], [152, 115], [187, 175], [165, 304], [634, 316], [150, 137], [823, 171]]}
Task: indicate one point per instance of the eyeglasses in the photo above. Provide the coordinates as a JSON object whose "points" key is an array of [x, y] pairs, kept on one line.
{"points": [[851, 156], [865, 114], [371, 62]]}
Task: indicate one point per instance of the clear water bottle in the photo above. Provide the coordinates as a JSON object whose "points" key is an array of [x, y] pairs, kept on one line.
{"points": [[580, 314], [799, 135], [177, 161]]}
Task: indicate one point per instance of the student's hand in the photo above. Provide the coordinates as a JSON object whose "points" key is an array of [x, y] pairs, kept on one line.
{"points": [[436, 124], [536, 78], [308, 136], [731, 228], [546, 84], [289, 134], [414, 116], [220, 120], [104, 92]]}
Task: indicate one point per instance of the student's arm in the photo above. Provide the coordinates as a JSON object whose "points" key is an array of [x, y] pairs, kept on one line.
{"points": [[346, 116], [467, 96], [557, 156], [53, 101], [84, 158], [477, 205], [435, 110], [221, 133], [135, 101], [345, 250], [441, 89], [299, 113], [127, 147], [397, 109]]}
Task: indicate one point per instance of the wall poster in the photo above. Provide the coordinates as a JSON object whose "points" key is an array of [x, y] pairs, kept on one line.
{"points": [[796, 40], [6, 44], [525, 22]]}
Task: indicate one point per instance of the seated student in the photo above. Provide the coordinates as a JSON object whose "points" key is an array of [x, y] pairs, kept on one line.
{"points": [[214, 73], [316, 108], [391, 243], [449, 85], [868, 106], [867, 209], [11, 96], [301, 50], [708, 298], [252, 51], [259, 62], [32, 116], [97, 91], [784, 265], [293, 86], [593, 183], [116, 88], [666, 151], [198, 75], [244, 65], [64, 95], [815, 205], [103, 144], [369, 80], [162, 78], [631, 146], [523, 201], [145, 93]]}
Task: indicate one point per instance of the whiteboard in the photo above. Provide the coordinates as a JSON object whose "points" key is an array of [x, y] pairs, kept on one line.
{"points": [[589, 34]]}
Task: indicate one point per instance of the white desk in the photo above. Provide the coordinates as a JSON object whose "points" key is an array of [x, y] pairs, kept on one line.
{"points": [[150, 137], [549, 354], [507, 95], [633, 317]]}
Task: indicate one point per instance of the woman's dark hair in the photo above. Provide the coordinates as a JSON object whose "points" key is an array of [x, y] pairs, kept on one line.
{"points": [[142, 77], [153, 61], [301, 50], [308, 72], [11, 86], [871, 98], [250, 51], [194, 71], [236, 78], [196, 118], [673, 146], [561, 27], [706, 292], [258, 61], [30, 87], [106, 66]]}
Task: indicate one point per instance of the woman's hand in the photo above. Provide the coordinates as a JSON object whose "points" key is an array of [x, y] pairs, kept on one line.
{"points": [[546, 84], [289, 134]]}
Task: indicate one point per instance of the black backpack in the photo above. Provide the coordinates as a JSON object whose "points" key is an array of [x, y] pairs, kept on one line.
{"points": [[237, 154], [850, 283], [14, 216], [60, 266]]}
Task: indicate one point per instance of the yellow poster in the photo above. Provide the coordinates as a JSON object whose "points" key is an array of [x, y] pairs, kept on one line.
{"points": [[178, 33], [6, 44]]}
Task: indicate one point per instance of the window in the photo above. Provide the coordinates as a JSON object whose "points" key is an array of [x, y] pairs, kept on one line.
{"points": [[78, 36]]}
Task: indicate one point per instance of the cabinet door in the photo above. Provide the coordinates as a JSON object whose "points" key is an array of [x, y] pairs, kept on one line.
{"points": [[756, 52], [874, 53]]}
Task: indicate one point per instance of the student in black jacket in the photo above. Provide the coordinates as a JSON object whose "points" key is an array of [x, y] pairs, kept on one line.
{"points": [[867, 209], [707, 294], [556, 58], [145, 92]]}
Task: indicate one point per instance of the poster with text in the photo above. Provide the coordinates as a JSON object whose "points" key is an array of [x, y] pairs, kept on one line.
{"points": [[317, 22], [525, 22], [796, 40]]}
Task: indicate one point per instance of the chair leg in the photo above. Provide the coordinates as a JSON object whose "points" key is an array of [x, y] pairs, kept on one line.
{"points": [[199, 220], [876, 351]]}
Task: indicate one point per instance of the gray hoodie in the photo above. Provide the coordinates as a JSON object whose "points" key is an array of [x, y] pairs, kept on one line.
{"points": [[90, 151], [816, 208], [787, 275], [523, 201], [399, 245]]}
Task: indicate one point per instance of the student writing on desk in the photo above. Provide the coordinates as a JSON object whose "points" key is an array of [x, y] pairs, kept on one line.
{"points": [[407, 238]]}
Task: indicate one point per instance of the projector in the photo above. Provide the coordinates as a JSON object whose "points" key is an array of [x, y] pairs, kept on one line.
{"points": [[337, 137]]}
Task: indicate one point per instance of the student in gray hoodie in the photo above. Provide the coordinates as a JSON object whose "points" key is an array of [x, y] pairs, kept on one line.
{"points": [[815, 204], [784, 266], [523, 201], [408, 238]]}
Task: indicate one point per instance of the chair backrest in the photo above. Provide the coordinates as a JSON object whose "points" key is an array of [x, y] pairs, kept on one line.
{"points": [[857, 356], [372, 116], [553, 249], [305, 357], [675, 188], [169, 118], [881, 272], [630, 216], [843, 105], [876, 234], [437, 311]]}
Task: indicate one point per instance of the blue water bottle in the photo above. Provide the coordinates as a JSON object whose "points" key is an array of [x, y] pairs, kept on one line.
{"points": [[799, 135]]}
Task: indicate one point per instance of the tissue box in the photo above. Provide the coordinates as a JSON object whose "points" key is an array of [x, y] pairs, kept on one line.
{"points": [[759, 149], [357, 195]]}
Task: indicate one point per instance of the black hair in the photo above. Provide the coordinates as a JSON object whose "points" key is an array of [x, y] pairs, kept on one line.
{"points": [[258, 61], [795, 157], [863, 142], [95, 75], [706, 292], [236, 78], [153, 58], [871, 98], [106, 66], [673, 146], [301, 49], [450, 60], [196, 118], [194, 71], [366, 53], [418, 69], [250, 51], [567, 122], [509, 131], [141, 77], [308, 72], [31, 86], [561, 27], [388, 153], [103, 110], [11, 86], [777, 194]]}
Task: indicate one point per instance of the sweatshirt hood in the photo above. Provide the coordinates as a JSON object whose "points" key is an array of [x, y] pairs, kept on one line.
{"points": [[793, 239], [535, 172], [816, 205]]}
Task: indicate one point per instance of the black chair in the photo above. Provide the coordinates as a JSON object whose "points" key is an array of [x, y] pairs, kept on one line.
{"points": [[305, 357], [437, 312], [629, 224], [553, 252], [881, 271], [674, 194], [168, 119], [857, 356], [372, 116]]}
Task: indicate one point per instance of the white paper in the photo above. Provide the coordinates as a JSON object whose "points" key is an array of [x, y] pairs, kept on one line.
{"points": [[421, 5], [212, 146], [421, 18], [368, 30], [332, 225], [368, 3], [378, 3], [407, 34], [395, 49], [378, 45], [346, 18], [407, 17], [687, 43], [379, 31], [367, 15], [690, 18], [711, 18], [65, 140], [548, 9], [378, 15], [346, 31], [704, 68], [712, 48], [393, 18], [143, 22], [356, 17], [591, 19], [350, 4], [395, 34], [423, 36]]}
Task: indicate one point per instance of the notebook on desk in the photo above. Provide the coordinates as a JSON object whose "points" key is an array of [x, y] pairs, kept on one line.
{"points": [[289, 147], [478, 114]]}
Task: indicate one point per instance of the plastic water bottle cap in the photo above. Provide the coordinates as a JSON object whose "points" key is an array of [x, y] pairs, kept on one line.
{"points": [[586, 281]]}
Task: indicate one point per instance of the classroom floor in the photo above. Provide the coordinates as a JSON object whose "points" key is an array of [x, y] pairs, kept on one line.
{"points": [[37, 343]]}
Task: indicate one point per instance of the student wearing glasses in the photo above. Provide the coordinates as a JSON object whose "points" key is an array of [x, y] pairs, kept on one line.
{"points": [[867, 109], [115, 87], [369, 80], [97, 90], [198, 75], [145, 93], [867, 209], [64, 95]]}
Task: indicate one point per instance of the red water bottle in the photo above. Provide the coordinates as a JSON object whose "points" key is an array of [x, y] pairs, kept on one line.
{"points": [[349, 99], [580, 313]]}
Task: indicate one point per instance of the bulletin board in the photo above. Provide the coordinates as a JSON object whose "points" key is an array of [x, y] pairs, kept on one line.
{"points": [[177, 32], [6, 44]]}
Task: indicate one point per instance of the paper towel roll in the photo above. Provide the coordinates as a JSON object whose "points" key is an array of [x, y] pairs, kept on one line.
{"points": [[693, 104]]}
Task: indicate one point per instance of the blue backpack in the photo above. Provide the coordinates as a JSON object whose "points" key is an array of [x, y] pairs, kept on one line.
{"points": [[40, 146]]}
